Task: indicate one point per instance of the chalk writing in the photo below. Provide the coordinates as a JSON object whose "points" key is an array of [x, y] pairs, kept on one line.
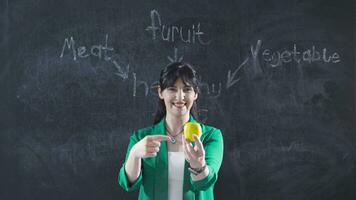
{"points": [[273, 59], [173, 33], [146, 87], [203, 114], [99, 51], [230, 77], [123, 73], [151, 88], [295, 149], [254, 53], [277, 58], [81, 51], [96, 148], [210, 90], [175, 59]]}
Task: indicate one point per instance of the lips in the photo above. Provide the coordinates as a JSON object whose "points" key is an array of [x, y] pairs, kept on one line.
{"points": [[179, 104]]}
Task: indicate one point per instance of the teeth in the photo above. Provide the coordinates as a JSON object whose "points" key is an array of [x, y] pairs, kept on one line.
{"points": [[179, 104]]}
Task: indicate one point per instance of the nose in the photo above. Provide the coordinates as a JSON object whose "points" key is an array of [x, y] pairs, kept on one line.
{"points": [[180, 95]]}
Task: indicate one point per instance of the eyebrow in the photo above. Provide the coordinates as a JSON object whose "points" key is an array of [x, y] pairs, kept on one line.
{"points": [[185, 86]]}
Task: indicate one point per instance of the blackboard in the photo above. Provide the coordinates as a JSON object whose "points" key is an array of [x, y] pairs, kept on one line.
{"points": [[278, 78]]}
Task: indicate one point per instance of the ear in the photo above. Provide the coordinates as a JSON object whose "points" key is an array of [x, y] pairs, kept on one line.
{"points": [[195, 96], [160, 92]]}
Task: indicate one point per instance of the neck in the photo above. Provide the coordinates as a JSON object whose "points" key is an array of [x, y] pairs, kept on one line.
{"points": [[175, 124]]}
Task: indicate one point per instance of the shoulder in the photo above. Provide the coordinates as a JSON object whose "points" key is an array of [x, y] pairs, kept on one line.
{"points": [[210, 131]]}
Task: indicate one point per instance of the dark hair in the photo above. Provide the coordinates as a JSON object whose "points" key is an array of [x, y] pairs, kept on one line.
{"points": [[169, 75]]}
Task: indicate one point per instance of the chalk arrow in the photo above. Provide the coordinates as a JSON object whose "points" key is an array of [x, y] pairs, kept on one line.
{"points": [[175, 56], [123, 73], [231, 77]]}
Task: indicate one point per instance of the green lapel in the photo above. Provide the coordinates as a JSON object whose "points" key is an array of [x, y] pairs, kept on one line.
{"points": [[187, 195], [161, 173]]}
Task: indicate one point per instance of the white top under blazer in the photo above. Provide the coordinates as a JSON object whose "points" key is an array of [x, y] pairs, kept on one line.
{"points": [[175, 175]]}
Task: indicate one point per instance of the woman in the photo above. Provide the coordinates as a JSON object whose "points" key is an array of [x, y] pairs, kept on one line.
{"points": [[159, 159]]}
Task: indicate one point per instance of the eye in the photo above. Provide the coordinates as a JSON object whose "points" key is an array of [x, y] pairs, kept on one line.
{"points": [[188, 89], [172, 89]]}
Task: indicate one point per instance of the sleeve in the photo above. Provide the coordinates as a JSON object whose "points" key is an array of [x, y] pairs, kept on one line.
{"points": [[214, 150], [122, 178]]}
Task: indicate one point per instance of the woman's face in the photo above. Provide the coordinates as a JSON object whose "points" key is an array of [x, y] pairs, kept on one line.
{"points": [[178, 99]]}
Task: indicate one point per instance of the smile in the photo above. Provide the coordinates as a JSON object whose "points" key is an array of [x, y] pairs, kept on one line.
{"points": [[179, 104]]}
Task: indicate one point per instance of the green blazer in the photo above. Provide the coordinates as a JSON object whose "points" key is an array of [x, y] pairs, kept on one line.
{"points": [[153, 180]]}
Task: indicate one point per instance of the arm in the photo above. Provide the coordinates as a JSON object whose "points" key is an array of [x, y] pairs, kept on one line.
{"points": [[214, 150], [133, 166], [130, 182], [130, 174]]}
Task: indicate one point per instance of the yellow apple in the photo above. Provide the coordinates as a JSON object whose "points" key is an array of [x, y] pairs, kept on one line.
{"points": [[190, 129]]}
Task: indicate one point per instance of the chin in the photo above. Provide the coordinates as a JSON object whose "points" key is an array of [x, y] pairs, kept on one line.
{"points": [[180, 114]]}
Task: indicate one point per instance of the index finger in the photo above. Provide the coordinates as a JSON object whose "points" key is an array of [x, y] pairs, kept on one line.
{"points": [[198, 143], [160, 138]]}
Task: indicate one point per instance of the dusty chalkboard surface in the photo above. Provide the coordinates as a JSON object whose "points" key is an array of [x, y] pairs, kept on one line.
{"points": [[278, 78]]}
